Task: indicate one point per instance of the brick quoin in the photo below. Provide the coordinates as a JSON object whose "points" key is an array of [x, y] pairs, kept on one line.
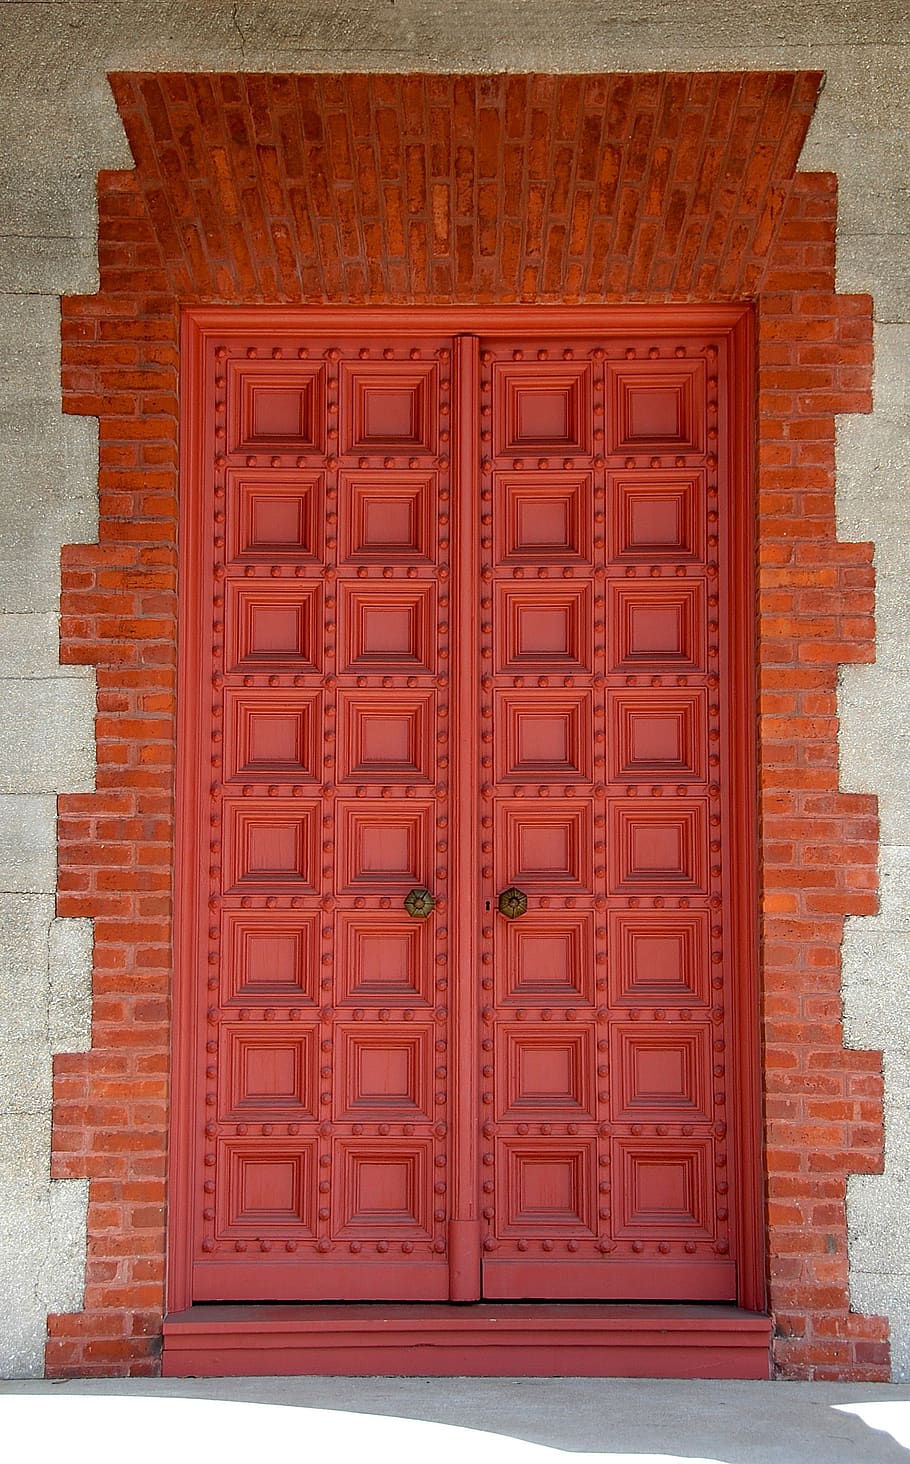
{"points": [[441, 189]]}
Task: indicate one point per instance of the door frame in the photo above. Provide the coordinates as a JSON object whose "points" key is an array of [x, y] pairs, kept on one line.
{"points": [[199, 325]]}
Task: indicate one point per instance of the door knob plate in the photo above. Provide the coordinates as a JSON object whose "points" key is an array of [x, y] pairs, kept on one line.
{"points": [[419, 903], [512, 903]]}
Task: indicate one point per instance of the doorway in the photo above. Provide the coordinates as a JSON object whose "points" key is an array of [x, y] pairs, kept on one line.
{"points": [[467, 994]]}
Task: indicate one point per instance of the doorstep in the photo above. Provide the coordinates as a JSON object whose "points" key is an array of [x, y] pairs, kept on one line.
{"points": [[512, 1339]]}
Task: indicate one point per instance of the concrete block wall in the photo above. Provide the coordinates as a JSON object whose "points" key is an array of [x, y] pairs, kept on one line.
{"points": [[58, 126], [874, 488], [46, 494]]}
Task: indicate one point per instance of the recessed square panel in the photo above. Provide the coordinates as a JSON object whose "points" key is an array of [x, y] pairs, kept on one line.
{"points": [[663, 1189], [546, 956], [387, 517], [387, 736], [657, 625], [543, 627], [272, 734], [657, 734], [657, 515], [383, 1188], [384, 957], [542, 518], [270, 957], [383, 1071], [271, 625], [545, 1071], [657, 849], [274, 514], [660, 1073], [268, 1069], [388, 627], [389, 406], [265, 1187], [542, 735], [542, 406], [278, 406], [384, 846], [545, 847], [544, 1186], [270, 847], [656, 405], [658, 957]]}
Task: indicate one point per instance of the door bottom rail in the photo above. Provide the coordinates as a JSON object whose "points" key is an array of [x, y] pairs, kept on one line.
{"points": [[479, 1340]]}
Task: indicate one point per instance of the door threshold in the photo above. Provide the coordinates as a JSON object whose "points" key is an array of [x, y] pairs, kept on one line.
{"points": [[484, 1339]]}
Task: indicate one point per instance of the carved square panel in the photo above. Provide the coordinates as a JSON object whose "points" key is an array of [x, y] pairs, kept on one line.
{"points": [[268, 1069], [657, 625], [546, 1185], [542, 518], [659, 957], [657, 848], [278, 406], [387, 517], [383, 1071], [384, 846], [657, 515], [272, 734], [270, 847], [388, 627], [654, 406], [274, 514], [384, 957], [382, 1188], [545, 847], [543, 627], [663, 1189], [272, 626], [270, 957], [386, 736], [546, 956], [543, 735], [542, 407], [660, 1073], [657, 734], [545, 1071], [389, 406], [265, 1187]]}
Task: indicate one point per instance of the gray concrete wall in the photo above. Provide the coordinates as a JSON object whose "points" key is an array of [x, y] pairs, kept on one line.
{"points": [[58, 126]]}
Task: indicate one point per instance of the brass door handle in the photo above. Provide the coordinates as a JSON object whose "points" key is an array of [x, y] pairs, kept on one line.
{"points": [[512, 903], [419, 903]]}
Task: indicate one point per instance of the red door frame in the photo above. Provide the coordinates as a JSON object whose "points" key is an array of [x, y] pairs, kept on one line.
{"points": [[194, 772]]}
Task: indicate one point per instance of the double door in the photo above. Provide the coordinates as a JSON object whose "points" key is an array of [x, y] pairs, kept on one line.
{"points": [[463, 950]]}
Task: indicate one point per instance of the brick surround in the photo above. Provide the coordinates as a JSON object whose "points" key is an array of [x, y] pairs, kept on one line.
{"points": [[439, 189]]}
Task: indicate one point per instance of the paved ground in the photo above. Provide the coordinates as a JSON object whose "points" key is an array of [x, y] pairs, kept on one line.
{"points": [[453, 1421]]}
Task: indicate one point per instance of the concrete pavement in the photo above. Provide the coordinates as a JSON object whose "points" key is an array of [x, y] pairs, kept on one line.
{"points": [[445, 1420]]}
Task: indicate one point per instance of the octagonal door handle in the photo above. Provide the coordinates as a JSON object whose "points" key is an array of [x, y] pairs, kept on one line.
{"points": [[512, 903], [418, 903]]}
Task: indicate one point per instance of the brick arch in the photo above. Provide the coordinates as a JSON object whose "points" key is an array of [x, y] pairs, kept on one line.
{"points": [[440, 189]]}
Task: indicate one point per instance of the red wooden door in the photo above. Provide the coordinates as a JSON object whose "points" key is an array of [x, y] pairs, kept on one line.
{"points": [[603, 1035], [323, 1163], [455, 624]]}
